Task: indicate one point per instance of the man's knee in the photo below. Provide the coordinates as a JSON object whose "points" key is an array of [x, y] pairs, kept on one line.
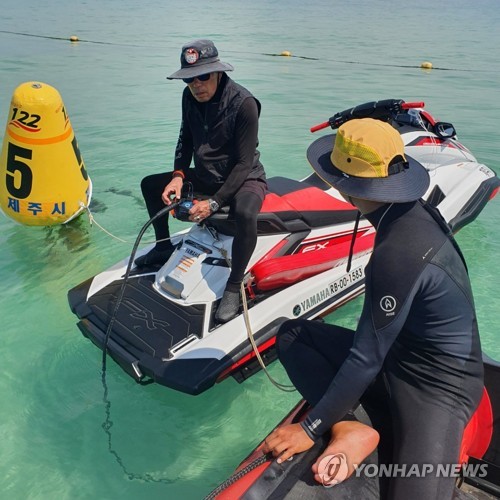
{"points": [[287, 335], [246, 208], [155, 183], [245, 218]]}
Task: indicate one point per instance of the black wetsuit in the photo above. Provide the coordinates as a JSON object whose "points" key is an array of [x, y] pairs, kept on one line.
{"points": [[415, 359], [222, 136]]}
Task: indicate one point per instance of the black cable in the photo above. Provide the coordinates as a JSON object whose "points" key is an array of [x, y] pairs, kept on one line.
{"points": [[119, 297], [108, 423], [237, 476], [353, 240]]}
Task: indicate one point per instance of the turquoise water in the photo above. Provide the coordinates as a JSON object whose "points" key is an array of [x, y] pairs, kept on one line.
{"points": [[126, 116]]}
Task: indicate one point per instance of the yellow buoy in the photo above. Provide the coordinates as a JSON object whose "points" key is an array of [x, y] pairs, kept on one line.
{"points": [[286, 53], [426, 65], [73, 38], [43, 180]]}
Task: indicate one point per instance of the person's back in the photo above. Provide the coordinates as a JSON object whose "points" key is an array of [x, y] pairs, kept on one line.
{"points": [[415, 266]]}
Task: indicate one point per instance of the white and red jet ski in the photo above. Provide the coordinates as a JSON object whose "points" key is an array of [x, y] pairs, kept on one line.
{"points": [[164, 329]]}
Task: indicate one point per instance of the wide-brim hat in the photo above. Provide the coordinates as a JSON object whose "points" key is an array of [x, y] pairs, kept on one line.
{"points": [[198, 58], [366, 160]]}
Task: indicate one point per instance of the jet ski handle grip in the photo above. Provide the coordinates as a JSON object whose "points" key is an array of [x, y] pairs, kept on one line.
{"points": [[338, 119]]}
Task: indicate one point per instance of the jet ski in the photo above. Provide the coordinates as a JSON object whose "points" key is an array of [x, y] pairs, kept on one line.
{"points": [[260, 476], [163, 329]]}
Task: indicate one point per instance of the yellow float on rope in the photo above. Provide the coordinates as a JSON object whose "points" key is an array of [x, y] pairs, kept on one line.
{"points": [[286, 53], [43, 180], [426, 65]]}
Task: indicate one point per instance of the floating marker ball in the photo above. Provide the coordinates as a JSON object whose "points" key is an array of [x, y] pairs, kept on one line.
{"points": [[286, 53], [426, 65], [43, 180]]}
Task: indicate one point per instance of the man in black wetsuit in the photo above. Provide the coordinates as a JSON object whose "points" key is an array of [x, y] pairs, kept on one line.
{"points": [[414, 360], [219, 129]]}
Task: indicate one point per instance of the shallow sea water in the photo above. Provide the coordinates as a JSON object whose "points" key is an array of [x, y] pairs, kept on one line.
{"points": [[126, 117]]}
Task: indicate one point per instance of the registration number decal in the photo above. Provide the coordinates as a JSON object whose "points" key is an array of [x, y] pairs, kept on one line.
{"points": [[332, 289]]}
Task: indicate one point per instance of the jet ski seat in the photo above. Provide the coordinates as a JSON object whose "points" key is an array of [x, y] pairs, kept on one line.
{"points": [[291, 206]]}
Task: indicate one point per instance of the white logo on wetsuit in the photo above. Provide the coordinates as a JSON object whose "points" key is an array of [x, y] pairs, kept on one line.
{"points": [[387, 304]]}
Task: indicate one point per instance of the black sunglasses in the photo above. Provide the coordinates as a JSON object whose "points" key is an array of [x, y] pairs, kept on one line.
{"points": [[202, 78]]}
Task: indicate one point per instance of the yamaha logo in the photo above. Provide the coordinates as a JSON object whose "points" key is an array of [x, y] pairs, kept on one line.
{"points": [[388, 304], [297, 310]]}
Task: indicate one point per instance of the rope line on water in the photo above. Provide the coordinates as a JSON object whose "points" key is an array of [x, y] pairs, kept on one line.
{"points": [[70, 39], [93, 221], [287, 54]]}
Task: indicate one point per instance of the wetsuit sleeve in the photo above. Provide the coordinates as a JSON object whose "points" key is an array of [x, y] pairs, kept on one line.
{"points": [[245, 142], [365, 360], [184, 148]]}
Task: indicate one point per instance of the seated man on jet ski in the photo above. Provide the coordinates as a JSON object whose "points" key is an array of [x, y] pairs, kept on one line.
{"points": [[219, 128], [414, 360]]}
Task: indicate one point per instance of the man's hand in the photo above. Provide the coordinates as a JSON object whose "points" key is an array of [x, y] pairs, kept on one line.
{"points": [[201, 210], [174, 187], [286, 441]]}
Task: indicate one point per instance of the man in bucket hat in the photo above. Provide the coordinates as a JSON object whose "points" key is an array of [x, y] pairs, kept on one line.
{"points": [[414, 360], [219, 132]]}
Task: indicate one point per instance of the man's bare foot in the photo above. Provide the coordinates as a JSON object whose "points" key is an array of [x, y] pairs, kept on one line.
{"points": [[350, 444]]}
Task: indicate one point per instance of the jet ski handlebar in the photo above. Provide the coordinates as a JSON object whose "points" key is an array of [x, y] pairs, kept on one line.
{"points": [[380, 110]]}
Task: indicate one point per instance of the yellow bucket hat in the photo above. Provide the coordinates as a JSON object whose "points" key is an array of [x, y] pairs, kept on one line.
{"points": [[368, 161]]}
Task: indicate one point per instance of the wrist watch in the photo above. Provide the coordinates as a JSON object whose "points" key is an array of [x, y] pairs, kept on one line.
{"points": [[214, 206]]}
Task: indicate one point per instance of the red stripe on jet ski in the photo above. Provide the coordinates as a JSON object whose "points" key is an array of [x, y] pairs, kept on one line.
{"points": [[303, 200], [436, 141], [264, 346], [327, 240], [428, 117], [290, 269], [274, 203], [276, 248], [429, 141]]}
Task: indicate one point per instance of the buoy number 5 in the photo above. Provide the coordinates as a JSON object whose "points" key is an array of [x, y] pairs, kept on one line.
{"points": [[14, 164]]}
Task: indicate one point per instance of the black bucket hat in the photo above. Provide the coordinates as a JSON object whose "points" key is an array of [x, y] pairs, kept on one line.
{"points": [[198, 58], [368, 162]]}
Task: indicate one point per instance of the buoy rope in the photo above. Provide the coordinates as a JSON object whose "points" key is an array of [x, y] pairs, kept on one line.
{"points": [[108, 423], [92, 221], [236, 477], [70, 39], [283, 54]]}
